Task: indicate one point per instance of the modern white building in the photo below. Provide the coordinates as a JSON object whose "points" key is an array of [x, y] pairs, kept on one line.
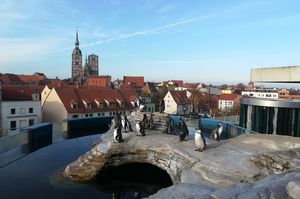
{"points": [[177, 103], [20, 107], [265, 94]]}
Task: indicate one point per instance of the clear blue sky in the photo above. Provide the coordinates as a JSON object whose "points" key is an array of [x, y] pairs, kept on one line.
{"points": [[213, 41]]}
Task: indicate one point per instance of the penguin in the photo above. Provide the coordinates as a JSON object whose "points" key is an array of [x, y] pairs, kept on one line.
{"points": [[145, 121], [140, 128], [117, 126], [216, 133], [127, 124], [151, 123], [183, 130], [199, 140], [123, 122]]}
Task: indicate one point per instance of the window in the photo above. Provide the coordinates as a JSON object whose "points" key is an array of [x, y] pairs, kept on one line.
{"points": [[101, 105], [89, 105], [13, 125], [86, 115], [13, 111], [74, 106], [114, 113], [268, 95], [122, 104], [75, 116], [30, 110], [110, 113], [99, 114], [103, 114], [91, 115], [112, 105], [31, 122]]}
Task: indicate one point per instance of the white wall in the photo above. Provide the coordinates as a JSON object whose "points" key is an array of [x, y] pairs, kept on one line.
{"points": [[261, 94], [21, 116], [53, 109], [225, 104], [170, 105], [46, 91]]}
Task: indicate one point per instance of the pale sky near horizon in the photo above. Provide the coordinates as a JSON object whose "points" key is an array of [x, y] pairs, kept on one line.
{"points": [[212, 41]]}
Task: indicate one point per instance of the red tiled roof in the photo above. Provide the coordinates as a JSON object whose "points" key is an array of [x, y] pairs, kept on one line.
{"points": [[137, 80], [229, 97], [30, 78], [68, 94], [180, 97], [129, 94], [10, 79], [52, 82], [19, 93]]}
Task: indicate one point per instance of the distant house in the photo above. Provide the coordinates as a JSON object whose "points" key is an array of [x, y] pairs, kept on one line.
{"points": [[176, 83], [228, 101], [137, 81], [177, 102], [20, 107], [117, 84], [100, 81], [82, 102]]}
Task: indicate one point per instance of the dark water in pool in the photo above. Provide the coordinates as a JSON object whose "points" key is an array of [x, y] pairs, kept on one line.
{"points": [[37, 175]]}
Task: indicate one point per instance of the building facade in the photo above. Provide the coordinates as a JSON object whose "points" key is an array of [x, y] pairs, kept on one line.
{"points": [[266, 94], [177, 103], [68, 102], [20, 107], [227, 102]]}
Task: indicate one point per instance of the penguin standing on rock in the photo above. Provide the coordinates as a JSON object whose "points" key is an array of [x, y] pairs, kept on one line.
{"points": [[118, 128], [183, 130], [140, 128], [127, 124], [199, 140]]}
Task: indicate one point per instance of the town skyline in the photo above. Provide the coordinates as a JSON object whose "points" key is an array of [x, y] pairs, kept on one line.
{"points": [[193, 41]]}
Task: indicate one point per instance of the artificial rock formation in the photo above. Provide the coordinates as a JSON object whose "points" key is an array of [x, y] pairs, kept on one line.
{"points": [[247, 164]]}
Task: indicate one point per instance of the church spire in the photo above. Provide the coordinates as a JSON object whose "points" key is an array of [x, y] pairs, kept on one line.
{"points": [[77, 40]]}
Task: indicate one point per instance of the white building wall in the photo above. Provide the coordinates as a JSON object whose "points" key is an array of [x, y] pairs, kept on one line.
{"points": [[24, 112], [53, 109], [225, 104], [265, 95], [170, 104], [46, 91]]}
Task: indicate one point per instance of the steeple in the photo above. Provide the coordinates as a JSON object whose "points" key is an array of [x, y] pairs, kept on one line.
{"points": [[77, 40]]}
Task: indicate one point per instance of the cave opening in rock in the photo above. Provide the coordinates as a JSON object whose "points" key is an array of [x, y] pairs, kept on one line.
{"points": [[142, 178]]}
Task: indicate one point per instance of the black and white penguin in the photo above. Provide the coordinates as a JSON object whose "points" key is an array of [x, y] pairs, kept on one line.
{"points": [[127, 124], [145, 121], [216, 133], [117, 125], [183, 130], [123, 122], [140, 128], [199, 140]]}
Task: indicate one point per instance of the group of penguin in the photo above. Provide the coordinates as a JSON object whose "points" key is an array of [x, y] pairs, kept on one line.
{"points": [[121, 121]]}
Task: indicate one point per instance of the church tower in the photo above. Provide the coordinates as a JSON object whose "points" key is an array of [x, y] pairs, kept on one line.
{"points": [[76, 59], [93, 63]]}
